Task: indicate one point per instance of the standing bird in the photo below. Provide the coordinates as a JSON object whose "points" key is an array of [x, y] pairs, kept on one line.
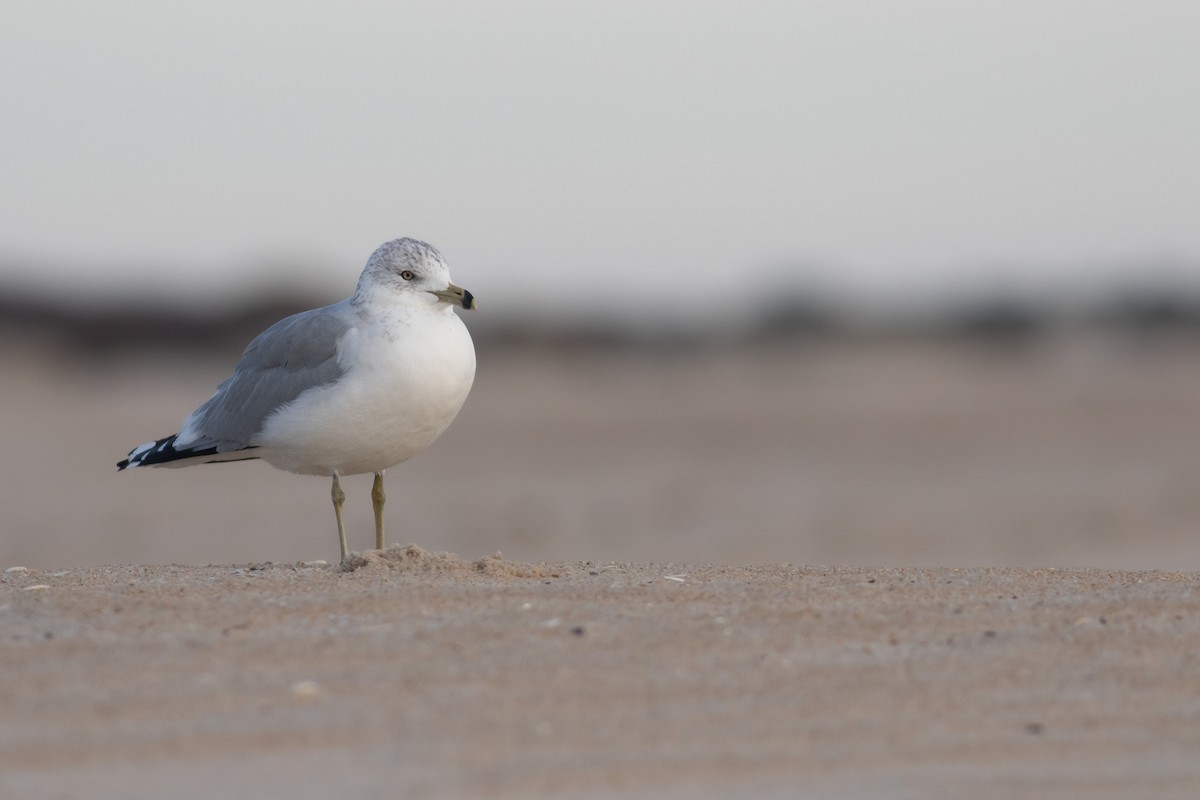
{"points": [[351, 388]]}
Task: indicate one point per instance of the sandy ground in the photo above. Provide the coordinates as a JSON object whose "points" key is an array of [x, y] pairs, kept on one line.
{"points": [[1011, 610], [1078, 453], [420, 675]]}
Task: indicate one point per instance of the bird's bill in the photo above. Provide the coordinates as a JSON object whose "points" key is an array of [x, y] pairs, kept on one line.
{"points": [[456, 295]]}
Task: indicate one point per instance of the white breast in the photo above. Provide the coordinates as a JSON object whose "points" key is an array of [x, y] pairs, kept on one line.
{"points": [[408, 372]]}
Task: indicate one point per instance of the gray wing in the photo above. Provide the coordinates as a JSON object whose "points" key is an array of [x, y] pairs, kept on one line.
{"points": [[291, 356]]}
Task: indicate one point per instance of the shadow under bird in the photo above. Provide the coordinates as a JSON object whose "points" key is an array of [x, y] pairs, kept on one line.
{"points": [[355, 387]]}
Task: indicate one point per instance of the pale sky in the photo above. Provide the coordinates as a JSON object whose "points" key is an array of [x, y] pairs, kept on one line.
{"points": [[599, 152]]}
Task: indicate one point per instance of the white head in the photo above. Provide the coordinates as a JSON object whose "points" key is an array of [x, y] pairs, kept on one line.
{"points": [[414, 268]]}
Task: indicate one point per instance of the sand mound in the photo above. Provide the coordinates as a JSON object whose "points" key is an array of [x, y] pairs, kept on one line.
{"points": [[411, 559]]}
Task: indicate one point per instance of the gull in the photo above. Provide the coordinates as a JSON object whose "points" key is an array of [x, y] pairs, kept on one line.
{"points": [[351, 388]]}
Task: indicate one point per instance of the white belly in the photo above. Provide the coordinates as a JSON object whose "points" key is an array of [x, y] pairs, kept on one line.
{"points": [[397, 396]]}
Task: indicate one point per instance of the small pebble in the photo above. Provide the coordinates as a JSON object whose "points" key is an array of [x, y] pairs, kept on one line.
{"points": [[306, 689], [35, 587]]}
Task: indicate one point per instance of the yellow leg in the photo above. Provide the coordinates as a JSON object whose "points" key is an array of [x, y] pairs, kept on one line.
{"points": [[377, 500], [339, 497]]}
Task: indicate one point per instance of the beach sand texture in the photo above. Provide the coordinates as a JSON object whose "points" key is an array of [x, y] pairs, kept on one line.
{"points": [[830, 570]]}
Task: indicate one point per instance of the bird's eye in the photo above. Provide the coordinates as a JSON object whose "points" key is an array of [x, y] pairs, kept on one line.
{"points": [[408, 275]]}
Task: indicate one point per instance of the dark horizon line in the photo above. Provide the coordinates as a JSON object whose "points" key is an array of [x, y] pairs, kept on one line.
{"points": [[113, 328]]}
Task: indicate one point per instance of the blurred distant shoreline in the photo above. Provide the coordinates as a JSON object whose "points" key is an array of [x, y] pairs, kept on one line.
{"points": [[112, 329]]}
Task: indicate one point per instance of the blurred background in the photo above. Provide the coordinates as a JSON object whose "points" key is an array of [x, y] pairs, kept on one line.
{"points": [[844, 282]]}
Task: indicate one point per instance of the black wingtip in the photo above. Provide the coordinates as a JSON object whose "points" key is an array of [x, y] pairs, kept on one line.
{"points": [[163, 453], [150, 453]]}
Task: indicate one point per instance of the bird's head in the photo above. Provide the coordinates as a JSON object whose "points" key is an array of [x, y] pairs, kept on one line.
{"points": [[413, 269]]}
